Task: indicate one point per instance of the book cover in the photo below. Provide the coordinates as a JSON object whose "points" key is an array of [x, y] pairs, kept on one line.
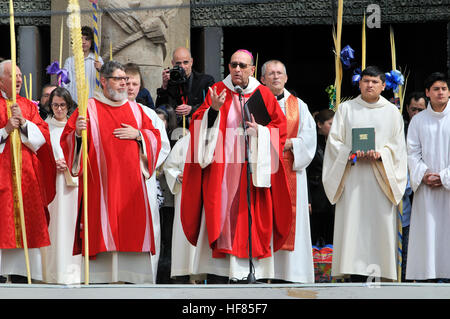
{"points": [[255, 105], [363, 139]]}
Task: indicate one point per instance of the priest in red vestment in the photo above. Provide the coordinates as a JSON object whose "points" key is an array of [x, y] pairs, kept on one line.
{"points": [[123, 148], [214, 191], [38, 171]]}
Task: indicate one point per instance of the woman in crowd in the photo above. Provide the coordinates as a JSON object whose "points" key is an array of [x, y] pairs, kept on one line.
{"points": [[322, 212], [59, 264]]}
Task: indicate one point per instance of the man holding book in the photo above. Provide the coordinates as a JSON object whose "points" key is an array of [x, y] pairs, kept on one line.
{"points": [[367, 188], [214, 203]]}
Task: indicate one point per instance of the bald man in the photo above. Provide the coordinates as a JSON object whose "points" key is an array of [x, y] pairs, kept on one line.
{"points": [[214, 203], [185, 97]]}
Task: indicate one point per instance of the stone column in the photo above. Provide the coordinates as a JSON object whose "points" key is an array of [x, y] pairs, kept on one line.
{"points": [[213, 52], [29, 55]]}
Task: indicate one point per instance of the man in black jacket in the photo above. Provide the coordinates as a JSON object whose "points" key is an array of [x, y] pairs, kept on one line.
{"points": [[186, 95]]}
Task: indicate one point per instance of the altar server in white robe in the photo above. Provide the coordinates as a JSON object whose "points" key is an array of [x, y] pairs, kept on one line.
{"points": [[296, 265], [183, 251], [428, 144], [134, 84], [60, 266], [367, 193]]}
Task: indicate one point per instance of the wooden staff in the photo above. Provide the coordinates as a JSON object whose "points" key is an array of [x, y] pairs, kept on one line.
{"points": [[26, 86], [400, 206], [61, 49], [31, 86], [16, 143], [363, 45], [82, 91], [184, 99], [95, 19], [256, 67], [61, 35], [338, 64]]}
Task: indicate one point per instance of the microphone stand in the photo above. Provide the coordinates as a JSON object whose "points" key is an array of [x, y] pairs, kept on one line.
{"points": [[251, 276]]}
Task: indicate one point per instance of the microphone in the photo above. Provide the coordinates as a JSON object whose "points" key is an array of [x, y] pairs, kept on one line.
{"points": [[244, 108]]}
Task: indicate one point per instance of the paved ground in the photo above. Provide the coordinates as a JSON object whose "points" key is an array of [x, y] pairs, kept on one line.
{"points": [[224, 301], [230, 292]]}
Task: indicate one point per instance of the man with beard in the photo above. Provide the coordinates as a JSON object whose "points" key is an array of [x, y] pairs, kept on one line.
{"points": [[123, 149]]}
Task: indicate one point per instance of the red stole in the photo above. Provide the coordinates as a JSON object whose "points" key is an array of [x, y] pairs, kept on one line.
{"points": [[293, 120]]}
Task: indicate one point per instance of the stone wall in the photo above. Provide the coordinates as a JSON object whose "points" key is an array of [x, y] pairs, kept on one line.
{"points": [[228, 13]]}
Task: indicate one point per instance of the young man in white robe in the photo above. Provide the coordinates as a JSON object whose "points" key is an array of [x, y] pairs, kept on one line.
{"points": [[367, 193], [296, 265], [428, 144]]}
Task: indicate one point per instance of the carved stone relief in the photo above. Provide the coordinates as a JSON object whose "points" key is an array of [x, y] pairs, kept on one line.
{"points": [[138, 35]]}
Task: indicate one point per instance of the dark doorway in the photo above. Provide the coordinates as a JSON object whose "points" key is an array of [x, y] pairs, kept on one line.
{"points": [[5, 49], [307, 52], [43, 58]]}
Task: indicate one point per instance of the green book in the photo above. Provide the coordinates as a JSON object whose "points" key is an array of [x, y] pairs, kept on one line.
{"points": [[363, 139]]}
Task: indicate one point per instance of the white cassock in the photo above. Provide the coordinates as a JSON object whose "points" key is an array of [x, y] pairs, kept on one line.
{"points": [[183, 251], [366, 194], [429, 237], [297, 265], [58, 263], [90, 72], [133, 266]]}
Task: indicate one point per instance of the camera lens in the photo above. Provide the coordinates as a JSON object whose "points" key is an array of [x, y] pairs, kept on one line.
{"points": [[177, 75]]}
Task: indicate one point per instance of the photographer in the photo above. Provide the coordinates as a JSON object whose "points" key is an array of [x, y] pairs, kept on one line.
{"points": [[182, 88]]}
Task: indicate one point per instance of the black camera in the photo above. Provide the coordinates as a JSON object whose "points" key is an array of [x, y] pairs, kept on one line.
{"points": [[177, 75]]}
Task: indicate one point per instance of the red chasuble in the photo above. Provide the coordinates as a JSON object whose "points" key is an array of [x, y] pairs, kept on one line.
{"points": [[205, 188], [119, 216], [38, 184]]}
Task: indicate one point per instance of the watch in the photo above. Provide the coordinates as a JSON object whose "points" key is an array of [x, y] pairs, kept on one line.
{"points": [[139, 138]]}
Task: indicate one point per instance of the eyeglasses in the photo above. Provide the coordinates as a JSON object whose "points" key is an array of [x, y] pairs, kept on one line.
{"points": [[119, 78], [416, 109], [234, 65], [62, 105]]}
